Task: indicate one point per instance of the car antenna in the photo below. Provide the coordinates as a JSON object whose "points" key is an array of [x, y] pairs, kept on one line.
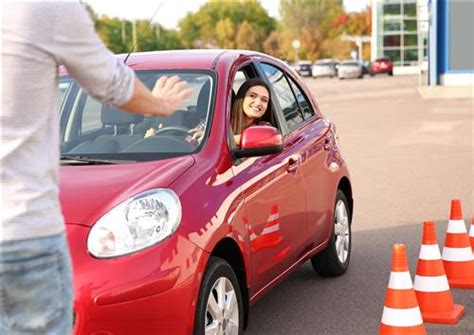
{"points": [[149, 22]]}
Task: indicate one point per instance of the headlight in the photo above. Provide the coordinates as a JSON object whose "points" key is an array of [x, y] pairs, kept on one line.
{"points": [[135, 224]]}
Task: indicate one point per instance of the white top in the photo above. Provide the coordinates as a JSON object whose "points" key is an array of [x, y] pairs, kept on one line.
{"points": [[37, 37]]}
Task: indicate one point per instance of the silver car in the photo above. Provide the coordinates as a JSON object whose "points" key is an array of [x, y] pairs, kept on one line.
{"points": [[324, 68], [350, 69]]}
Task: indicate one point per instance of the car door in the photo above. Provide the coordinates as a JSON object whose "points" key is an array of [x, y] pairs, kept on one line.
{"points": [[309, 132], [275, 208]]}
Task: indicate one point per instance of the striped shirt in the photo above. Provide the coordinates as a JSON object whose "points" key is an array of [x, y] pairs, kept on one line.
{"points": [[38, 37]]}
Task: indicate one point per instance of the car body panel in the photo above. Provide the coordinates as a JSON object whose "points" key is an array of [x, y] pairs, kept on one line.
{"points": [[118, 182], [381, 65], [350, 69], [325, 68]]}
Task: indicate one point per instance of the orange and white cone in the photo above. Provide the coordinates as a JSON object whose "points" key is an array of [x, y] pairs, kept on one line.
{"points": [[401, 314], [471, 235], [431, 284], [457, 253]]}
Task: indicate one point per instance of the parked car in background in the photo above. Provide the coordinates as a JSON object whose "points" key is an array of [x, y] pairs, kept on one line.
{"points": [[350, 69], [365, 67], [175, 235], [381, 65], [304, 68], [324, 68]]}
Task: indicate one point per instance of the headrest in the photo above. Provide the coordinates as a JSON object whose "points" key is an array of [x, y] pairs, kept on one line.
{"points": [[113, 116]]}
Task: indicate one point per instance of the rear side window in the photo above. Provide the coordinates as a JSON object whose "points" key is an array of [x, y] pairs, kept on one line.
{"points": [[285, 96], [302, 100]]}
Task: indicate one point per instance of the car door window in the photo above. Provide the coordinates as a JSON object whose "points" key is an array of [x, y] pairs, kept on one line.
{"points": [[285, 96], [302, 100]]}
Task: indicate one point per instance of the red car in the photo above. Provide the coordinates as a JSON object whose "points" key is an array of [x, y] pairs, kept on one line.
{"points": [[381, 65], [173, 235]]}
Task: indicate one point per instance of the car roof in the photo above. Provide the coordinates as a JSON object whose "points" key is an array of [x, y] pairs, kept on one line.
{"points": [[200, 59], [348, 62]]}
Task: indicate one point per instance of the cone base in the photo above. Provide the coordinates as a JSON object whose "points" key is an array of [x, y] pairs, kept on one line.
{"points": [[462, 283], [390, 330], [451, 317]]}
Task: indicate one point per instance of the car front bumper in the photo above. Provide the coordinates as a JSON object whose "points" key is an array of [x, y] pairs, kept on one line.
{"points": [[153, 291]]}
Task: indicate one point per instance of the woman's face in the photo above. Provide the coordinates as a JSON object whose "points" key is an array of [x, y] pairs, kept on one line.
{"points": [[255, 102]]}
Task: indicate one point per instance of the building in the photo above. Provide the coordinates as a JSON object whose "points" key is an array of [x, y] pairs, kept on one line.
{"points": [[451, 42], [397, 34], [432, 35]]}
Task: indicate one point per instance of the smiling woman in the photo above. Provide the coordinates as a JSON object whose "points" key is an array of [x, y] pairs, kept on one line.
{"points": [[251, 106]]}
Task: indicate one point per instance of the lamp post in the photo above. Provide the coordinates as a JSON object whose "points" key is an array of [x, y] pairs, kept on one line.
{"points": [[296, 45]]}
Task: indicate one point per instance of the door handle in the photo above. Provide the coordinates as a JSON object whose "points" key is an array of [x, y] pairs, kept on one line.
{"points": [[292, 165]]}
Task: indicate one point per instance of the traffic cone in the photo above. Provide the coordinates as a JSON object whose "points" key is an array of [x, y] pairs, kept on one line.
{"points": [[457, 253], [471, 235], [401, 314], [431, 284]]}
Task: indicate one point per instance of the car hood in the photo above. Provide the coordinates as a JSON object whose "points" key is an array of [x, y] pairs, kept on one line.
{"points": [[88, 192]]}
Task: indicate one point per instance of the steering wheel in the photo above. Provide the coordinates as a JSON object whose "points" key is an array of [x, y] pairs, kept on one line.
{"points": [[177, 129]]}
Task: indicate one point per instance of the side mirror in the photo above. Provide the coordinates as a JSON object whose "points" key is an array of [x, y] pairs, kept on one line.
{"points": [[259, 141]]}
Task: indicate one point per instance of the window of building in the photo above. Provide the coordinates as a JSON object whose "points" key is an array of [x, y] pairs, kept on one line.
{"points": [[391, 9], [410, 40], [410, 56], [391, 26], [394, 56], [410, 25], [391, 41]]}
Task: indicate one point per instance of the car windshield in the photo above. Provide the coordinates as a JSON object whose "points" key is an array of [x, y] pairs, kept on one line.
{"points": [[94, 131]]}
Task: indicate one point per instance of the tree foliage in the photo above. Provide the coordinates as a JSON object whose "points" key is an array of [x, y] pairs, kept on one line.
{"points": [[244, 24], [224, 25]]}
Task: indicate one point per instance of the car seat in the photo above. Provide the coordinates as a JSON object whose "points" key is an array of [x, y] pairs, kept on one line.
{"points": [[123, 133]]}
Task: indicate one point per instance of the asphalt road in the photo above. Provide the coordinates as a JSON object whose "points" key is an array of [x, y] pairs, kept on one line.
{"points": [[408, 158]]}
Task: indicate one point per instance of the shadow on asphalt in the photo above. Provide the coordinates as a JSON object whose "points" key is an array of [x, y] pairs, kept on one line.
{"points": [[353, 303]]}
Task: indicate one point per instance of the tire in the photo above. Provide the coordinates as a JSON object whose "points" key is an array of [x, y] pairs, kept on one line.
{"points": [[327, 263], [390, 73], [218, 272]]}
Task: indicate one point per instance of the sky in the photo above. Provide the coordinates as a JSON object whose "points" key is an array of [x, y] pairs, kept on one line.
{"points": [[171, 11]]}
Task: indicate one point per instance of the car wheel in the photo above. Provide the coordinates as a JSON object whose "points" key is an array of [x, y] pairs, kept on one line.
{"points": [[390, 73], [334, 260], [220, 308]]}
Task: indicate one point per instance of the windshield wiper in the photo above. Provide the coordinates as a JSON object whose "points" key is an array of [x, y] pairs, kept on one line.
{"points": [[91, 161]]}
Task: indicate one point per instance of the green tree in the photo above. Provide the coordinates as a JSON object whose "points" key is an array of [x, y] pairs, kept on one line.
{"points": [[312, 22], [210, 26], [225, 33], [272, 45], [246, 37]]}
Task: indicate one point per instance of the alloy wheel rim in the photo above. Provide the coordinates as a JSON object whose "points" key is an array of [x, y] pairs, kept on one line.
{"points": [[222, 311], [341, 231]]}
